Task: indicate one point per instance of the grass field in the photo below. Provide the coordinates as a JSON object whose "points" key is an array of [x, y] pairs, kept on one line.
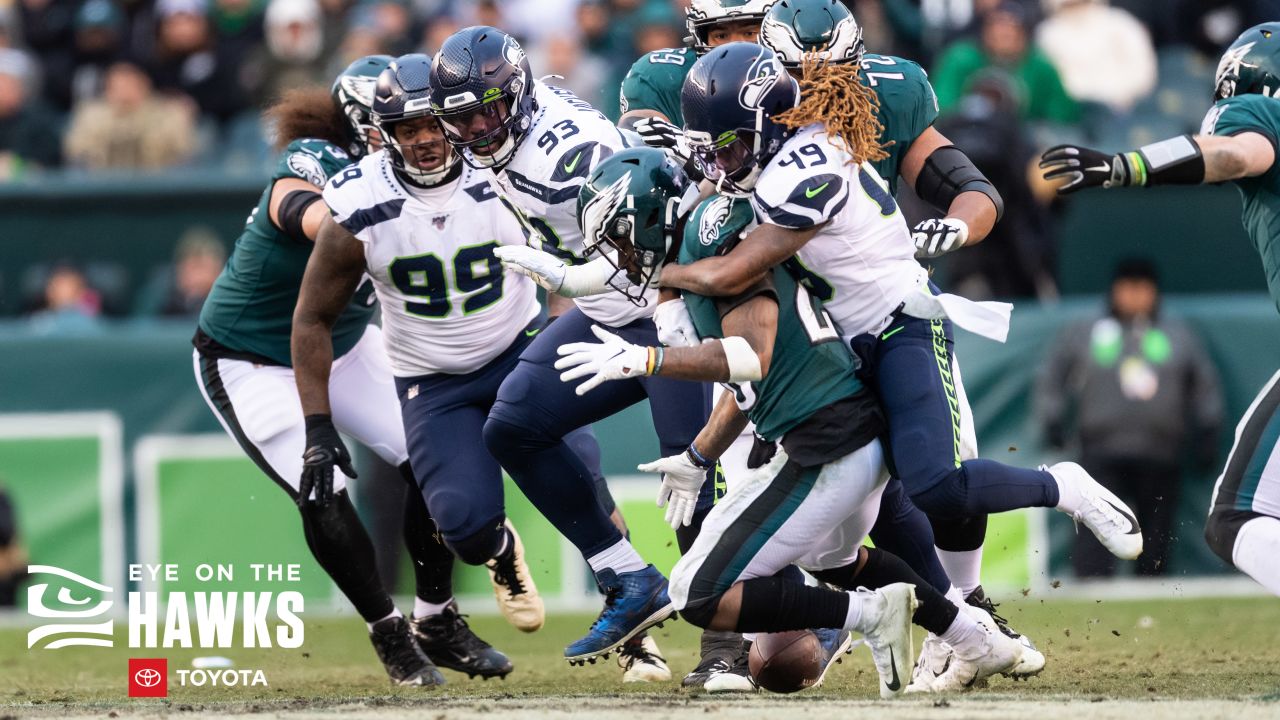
{"points": [[1147, 660]]}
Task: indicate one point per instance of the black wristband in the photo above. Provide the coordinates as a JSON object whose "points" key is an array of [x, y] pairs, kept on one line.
{"points": [[317, 420]]}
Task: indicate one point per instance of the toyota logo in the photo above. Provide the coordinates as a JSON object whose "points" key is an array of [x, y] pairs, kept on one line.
{"points": [[147, 677]]}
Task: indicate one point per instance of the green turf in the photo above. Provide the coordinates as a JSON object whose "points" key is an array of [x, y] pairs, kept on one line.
{"points": [[1168, 649]]}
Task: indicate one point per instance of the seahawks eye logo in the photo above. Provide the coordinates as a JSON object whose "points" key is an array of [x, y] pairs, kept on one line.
{"points": [[512, 52], [713, 219], [598, 211], [762, 76]]}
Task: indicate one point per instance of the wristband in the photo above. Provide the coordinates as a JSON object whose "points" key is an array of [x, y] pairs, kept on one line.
{"points": [[697, 458]]}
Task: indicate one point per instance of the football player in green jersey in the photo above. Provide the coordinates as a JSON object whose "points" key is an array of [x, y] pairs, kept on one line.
{"points": [[1238, 144], [813, 501], [938, 171], [243, 365]]}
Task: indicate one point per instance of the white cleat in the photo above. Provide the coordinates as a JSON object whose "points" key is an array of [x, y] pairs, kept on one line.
{"points": [[935, 658], [513, 585], [888, 635], [642, 662], [1110, 519], [1030, 664], [994, 653]]}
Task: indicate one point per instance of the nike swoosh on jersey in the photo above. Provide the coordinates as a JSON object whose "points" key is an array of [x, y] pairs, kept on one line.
{"points": [[570, 166], [893, 663], [531, 333], [810, 193], [893, 332]]}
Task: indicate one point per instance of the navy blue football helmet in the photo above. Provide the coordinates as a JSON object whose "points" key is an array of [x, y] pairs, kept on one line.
{"points": [[729, 100], [482, 92], [403, 94]]}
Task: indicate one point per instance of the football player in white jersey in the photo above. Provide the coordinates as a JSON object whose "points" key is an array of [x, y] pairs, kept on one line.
{"points": [[424, 227], [541, 143], [802, 155]]}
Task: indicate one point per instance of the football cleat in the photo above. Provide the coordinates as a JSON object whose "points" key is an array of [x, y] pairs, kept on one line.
{"points": [[641, 662], [935, 659], [720, 649], [633, 602], [734, 679], [1032, 662], [992, 654], [449, 642], [887, 618], [400, 655], [835, 645], [1106, 515], [513, 585]]}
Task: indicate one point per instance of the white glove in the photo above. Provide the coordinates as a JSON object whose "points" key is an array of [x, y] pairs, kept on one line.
{"points": [[658, 133], [938, 237], [611, 359], [681, 481], [546, 269], [675, 326]]}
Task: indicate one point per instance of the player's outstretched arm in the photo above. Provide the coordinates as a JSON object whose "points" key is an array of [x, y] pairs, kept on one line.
{"points": [[1182, 160], [947, 179], [331, 278], [742, 356], [296, 208], [747, 264]]}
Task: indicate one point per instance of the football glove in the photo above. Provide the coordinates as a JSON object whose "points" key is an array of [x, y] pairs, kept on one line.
{"points": [[324, 450], [546, 269], [611, 359], [939, 237], [681, 482], [1084, 167], [658, 133], [675, 326]]}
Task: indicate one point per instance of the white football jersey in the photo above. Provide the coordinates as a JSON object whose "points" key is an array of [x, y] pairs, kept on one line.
{"points": [[447, 304], [567, 140], [862, 262]]}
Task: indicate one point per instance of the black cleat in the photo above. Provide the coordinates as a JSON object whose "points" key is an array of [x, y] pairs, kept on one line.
{"points": [[400, 655], [720, 650], [449, 642]]}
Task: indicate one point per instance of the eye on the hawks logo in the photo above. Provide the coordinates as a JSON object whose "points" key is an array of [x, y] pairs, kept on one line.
{"points": [[148, 677], [439, 221]]}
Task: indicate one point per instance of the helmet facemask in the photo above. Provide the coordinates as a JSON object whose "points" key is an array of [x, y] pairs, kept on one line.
{"points": [[636, 243], [733, 161], [704, 16], [426, 162]]}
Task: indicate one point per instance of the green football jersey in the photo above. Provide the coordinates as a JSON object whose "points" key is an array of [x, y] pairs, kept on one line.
{"points": [[907, 103], [810, 368], [1261, 194], [250, 309]]}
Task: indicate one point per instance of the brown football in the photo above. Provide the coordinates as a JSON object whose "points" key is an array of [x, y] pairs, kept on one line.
{"points": [[786, 662]]}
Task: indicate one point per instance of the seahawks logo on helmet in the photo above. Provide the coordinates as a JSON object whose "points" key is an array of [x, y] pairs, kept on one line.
{"points": [[512, 52], [1229, 69], [762, 76], [602, 208], [713, 219]]}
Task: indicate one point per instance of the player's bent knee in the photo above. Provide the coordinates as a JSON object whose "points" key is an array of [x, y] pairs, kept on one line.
{"points": [[478, 547], [1220, 534], [944, 496], [701, 611]]}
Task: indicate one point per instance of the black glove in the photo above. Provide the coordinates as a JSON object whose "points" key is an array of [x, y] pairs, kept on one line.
{"points": [[1085, 168], [324, 450]]}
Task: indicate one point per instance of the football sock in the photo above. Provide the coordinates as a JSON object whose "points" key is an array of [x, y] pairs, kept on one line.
{"points": [[422, 608], [774, 604], [964, 568], [556, 482], [432, 561], [954, 595], [904, 530], [395, 612], [1257, 547], [1069, 498], [962, 634], [619, 557], [882, 568], [342, 547]]}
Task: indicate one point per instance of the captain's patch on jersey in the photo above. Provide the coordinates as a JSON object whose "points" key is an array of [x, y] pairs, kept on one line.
{"points": [[308, 167]]}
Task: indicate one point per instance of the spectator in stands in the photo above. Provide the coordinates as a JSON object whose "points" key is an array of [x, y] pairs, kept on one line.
{"points": [[99, 37], [1004, 44], [188, 60], [1088, 41], [294, 54], [28, 129], [13, 557], [238, 25], [130, 127], [46, 32], [1143, 391], [584, 74], [197, 262], [70, 305]]}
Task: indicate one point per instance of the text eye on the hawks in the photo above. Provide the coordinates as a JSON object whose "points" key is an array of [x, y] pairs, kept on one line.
{"points": [[307, 167]]}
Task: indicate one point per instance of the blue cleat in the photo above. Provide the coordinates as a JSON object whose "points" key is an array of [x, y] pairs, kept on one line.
{"points": [[836, 644], [633, 602]]}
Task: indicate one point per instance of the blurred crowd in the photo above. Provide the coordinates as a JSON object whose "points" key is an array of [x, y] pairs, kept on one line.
{"points": [[91, 86]]}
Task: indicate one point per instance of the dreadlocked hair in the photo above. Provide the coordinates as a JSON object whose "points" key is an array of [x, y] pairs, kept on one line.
{"points": [[307, 113], [834, 96]]}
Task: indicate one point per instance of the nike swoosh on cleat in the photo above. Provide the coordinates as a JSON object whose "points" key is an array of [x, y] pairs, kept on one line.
{"points": [[1133, 522], [893, 663], [568, 167], [945, 665], [810, 193], [972, 680]]}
